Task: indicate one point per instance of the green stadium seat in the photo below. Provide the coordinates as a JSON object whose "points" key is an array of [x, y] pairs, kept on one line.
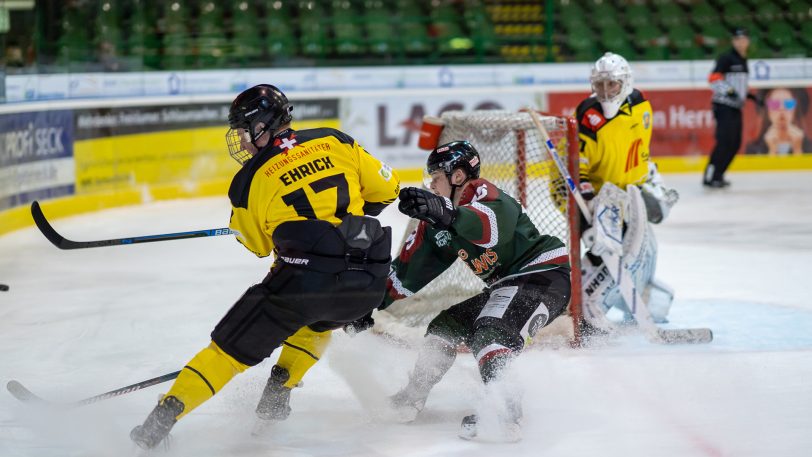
{"points": [[581, 41], [142, 44], [637, 15], [246, 35], [781, 35], [799, 11], [671, 15], [703, 14], [571, 15], [736, 14], [414, 38], [652, 42], [715, 37], [806, 33], [480, 29], [450, 38], [603, 15], [73, 45], [211, 43], [767, 12], [615, 40], [349, 38], [175, 51]]}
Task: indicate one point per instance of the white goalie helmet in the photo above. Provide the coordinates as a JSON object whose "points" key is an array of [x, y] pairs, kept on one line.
{"points": [[611, 81]]}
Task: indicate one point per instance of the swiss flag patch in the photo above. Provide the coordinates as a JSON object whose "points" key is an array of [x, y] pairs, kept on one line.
{"points": [[593, 120], [286, 143]]}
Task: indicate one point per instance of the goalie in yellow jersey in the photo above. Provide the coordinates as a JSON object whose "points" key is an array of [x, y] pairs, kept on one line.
{"points": [[303, 195], [615, 126]]}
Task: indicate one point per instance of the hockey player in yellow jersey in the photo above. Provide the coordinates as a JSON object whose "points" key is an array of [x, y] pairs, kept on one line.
{"points": [[303, 196], [615, 126]]}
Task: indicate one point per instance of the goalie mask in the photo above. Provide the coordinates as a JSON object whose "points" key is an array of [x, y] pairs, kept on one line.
{"points": [[449, 157], [611, 81], [255, 112]]}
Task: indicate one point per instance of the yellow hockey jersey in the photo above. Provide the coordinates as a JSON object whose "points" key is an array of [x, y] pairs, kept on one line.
{"points": [[306, 174], [615, 150]]}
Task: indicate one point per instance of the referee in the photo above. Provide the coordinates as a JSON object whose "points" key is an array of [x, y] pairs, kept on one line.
{"points": [[729, 83]]}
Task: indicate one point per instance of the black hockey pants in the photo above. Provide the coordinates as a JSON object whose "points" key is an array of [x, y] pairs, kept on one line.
{"points": [[728, 140]]}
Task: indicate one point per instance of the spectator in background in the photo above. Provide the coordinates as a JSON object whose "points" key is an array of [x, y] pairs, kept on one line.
{"points": [[729, 83], [782, 123], [14, 56]]}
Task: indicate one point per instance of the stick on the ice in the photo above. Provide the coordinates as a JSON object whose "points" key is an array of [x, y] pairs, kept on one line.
{"points": [[20, 392], [63, 243], [617, 268]]}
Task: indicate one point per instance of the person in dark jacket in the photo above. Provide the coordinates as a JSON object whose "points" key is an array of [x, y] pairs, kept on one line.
{"points": [[729, 83]]}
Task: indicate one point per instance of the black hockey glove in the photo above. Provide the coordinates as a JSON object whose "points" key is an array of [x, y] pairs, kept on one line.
{"points": [[424, 205], [359, 325]]}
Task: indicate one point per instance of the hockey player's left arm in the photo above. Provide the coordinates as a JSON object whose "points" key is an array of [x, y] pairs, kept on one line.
{"points": [[380, 184]]}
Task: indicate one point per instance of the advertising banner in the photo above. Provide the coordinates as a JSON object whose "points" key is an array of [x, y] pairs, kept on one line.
{"points": [[389, 127], [36, 157], [684, 123], [127, 147]]}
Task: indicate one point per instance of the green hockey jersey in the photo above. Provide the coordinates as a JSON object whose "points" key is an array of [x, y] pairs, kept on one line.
{"points": [[491, 234]]}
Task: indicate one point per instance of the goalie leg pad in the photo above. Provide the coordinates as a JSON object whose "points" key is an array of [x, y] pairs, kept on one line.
{"points": [[597, 284], [639, 250], [659, 297]]}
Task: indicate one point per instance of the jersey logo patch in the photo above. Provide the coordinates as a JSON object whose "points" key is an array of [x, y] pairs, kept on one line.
{"points": [[481, 192], [442, 238], [646, 120], [633, 156], [286, 143], [385, 172], [593, 120]]}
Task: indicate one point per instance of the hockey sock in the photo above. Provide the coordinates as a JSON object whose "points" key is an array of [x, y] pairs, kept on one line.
{"points": [[433, 361], [204, 376], [493, 351], [301, 351]]}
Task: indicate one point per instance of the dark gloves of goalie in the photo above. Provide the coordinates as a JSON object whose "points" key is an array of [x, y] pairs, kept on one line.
{"points": [[359, 325], [424, 205]]}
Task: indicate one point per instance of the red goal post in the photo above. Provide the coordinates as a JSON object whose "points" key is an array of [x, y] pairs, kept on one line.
{"points": [[514, 158]]}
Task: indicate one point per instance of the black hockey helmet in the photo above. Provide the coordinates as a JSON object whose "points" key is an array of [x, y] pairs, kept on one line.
{"points": [[451, 156], [262, 104]]}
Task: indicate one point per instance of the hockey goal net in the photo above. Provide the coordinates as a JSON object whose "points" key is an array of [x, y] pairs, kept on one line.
{"points": [[515, 159]]}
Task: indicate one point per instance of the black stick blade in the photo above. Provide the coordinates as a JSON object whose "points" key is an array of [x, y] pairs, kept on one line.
{"points": [[21, 393], [45, 227]]}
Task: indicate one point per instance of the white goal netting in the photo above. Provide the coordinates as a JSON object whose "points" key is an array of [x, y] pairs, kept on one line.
{"points": [[515, 159]]}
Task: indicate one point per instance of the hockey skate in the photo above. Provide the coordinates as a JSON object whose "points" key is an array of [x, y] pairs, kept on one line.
{"points": [[507, 427], [408, 403], [158, 424], [275, 402]]}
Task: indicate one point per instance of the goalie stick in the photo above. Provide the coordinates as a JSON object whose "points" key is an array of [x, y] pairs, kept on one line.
{"points": [[63, 243], [20, 392], [618, 269]]}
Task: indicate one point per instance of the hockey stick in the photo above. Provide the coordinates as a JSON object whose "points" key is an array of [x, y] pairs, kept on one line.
{"points": [[63, 243], [20, 392], [617, 268]]}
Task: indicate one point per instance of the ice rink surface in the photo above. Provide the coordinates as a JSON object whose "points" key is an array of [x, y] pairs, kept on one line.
{"points": [[78, 323]]}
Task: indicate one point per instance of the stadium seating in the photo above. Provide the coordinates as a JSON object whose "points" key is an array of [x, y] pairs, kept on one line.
{"points": [[186, 34]]}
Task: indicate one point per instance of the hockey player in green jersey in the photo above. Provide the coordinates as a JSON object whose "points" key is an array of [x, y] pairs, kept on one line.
{"points": [[527, 276]]}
